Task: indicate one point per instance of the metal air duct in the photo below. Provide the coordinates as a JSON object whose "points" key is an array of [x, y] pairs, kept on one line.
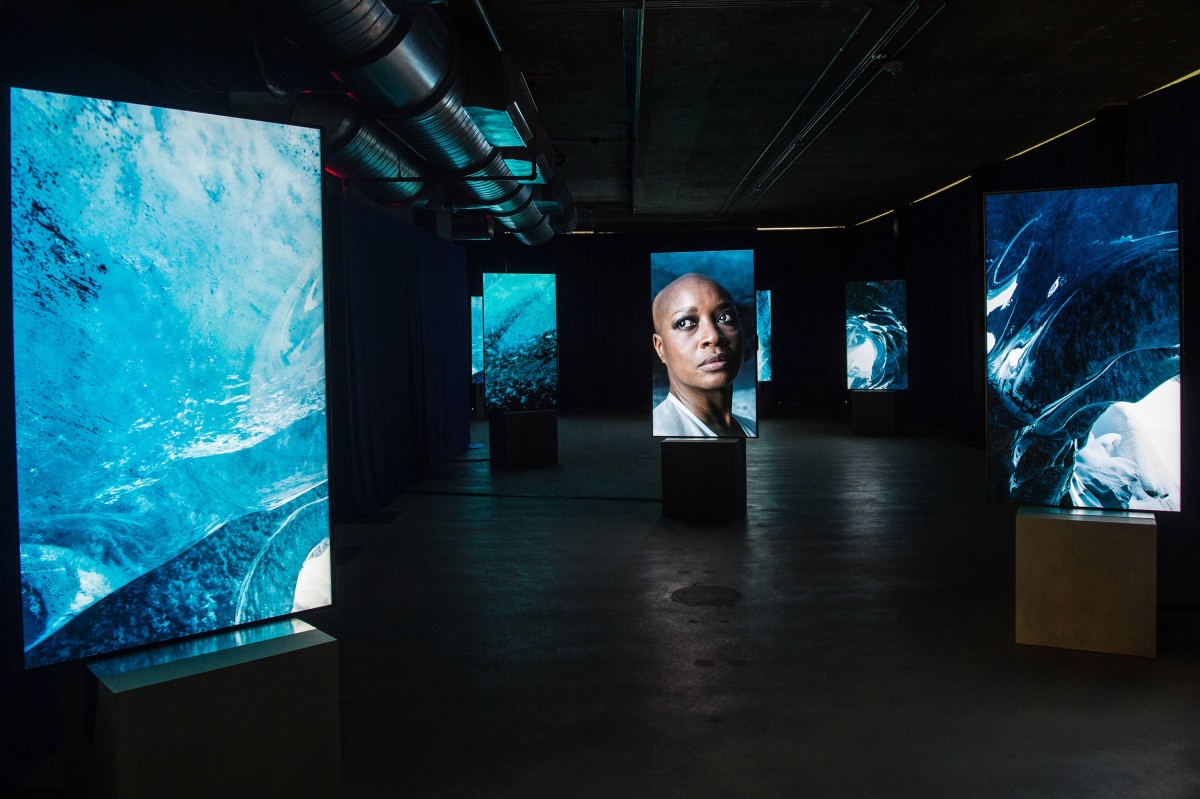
{"points": [[403, 69]]}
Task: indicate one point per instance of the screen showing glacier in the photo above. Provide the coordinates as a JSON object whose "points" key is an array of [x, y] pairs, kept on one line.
{"points": [[763, 312], [169, 381], [477, 340], [520, 342], [705, 314], [876, 335], [1083, 347]]}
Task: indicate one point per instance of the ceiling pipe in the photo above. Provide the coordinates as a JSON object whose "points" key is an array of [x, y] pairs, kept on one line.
{"points": [[404, 70]]}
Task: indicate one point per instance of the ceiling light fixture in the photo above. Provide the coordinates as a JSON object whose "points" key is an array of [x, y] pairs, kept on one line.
{"points": [[1188, 76], [877, 216], [1047, 141], [804, 227], [942, 189]]}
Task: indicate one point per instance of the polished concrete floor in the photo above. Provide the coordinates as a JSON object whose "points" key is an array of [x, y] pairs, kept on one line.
{"points": [[513, 634]]}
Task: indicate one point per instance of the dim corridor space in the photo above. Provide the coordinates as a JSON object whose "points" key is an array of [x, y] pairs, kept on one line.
{"points": [[514, 634]]}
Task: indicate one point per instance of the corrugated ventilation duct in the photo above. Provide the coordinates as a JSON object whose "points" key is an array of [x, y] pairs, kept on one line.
{"points": [[403, 68]]}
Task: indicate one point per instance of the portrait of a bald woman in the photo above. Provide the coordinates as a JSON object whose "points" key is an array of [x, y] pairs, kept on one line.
{"points": [[699, 338]]}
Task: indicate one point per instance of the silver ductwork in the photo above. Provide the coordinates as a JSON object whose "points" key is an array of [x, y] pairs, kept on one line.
{"points": [[403, 69]]}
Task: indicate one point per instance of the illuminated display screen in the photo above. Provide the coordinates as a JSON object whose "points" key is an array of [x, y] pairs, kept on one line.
{"points": [[168, 331], [1083, 346], [520, 342], [876, 335], [763, 312], [477, 374], [703, 307]]}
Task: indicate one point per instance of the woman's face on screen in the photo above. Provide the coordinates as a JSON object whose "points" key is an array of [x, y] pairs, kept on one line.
{"points": [[697, 333]]}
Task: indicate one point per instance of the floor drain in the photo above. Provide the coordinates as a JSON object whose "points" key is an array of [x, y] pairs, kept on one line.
{"points": [[709, 595]]}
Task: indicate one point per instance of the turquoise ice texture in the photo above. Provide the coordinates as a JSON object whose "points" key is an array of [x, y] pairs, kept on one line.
{"points": [[1083, 346], [763, 315], [520, 341], [477, 339], [876, 335], [734, 269], [168, 327]]}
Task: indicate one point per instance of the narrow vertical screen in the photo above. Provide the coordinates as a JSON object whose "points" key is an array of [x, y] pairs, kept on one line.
{"points": [[703, 308], [1083, 346], [168, 329], [762, 304], [477, 374], [520, 341], [876, 335]]}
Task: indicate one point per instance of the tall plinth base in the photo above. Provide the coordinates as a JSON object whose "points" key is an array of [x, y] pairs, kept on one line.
{"points": [[252, 712], [523, 439], [875, 413], [1087, 580], [704, 478]]}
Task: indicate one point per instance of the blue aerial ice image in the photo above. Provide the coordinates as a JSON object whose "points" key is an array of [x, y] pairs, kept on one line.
{"points": [[762, 304], [477, 374], [876, 335], [1083, 345], [734, 271], [520, 342], [168, 330]]}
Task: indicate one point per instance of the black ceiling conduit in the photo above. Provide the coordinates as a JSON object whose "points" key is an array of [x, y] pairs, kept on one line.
{"points": [[403, 69]]}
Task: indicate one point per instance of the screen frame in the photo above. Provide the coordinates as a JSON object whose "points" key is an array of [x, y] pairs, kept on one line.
{"points": [[983, 331], [10, 566], [750, 356]]}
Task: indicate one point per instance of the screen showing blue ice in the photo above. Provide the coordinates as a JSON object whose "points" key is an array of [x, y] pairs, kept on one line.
{"points": [[477, 340], [762, 305], [1083, 346], [520, 342], [168, 330], [703, 308], [876, 335]]}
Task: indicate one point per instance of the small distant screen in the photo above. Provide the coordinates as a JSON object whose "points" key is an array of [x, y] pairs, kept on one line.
{"points": [[520, 341], [876, 335], [763, 313]]}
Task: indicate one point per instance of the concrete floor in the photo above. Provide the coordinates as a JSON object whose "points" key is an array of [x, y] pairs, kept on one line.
{"points": [[514, 635]]}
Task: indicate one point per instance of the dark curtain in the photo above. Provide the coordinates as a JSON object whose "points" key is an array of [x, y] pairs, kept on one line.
{"points": [[399, 354], [369, 358], [438, 322], [940, 248]]}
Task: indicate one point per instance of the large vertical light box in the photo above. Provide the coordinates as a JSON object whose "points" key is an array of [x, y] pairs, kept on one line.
{"points": [[1083, 347], [704, 310], [169, 381], [876, 335], [520, 341]]}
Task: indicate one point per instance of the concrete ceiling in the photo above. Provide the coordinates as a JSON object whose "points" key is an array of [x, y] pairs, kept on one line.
{"points": [[684, 114], [719, 113]]}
